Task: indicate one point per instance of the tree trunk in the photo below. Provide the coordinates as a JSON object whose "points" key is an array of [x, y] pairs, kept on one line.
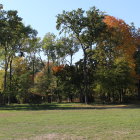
{"points": [[5, 77], [109, 97], [48, 64], [121, 95], [71, 57], [139, 89], [10, 81], [85, 77], [5, 70], [81, 96], [71, 98], [33, 72], [33, 67]]}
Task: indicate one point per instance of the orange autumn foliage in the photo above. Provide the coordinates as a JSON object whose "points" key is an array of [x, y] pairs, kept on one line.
{"points": [[127, 43], [57, 68]]}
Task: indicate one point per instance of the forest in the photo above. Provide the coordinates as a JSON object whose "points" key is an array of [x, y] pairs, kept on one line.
{"points": [[35, 70]]}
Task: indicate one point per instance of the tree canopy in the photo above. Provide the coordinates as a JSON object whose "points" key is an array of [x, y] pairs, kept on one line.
{"points": [[35, 70]]}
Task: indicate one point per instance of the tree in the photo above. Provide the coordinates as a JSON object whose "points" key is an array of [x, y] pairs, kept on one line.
{"points": [[49, 47], [71, 46], [13, 34], [113, 82], [122, 39], [21, 80], [33, 47], [86, 27], [136, 36], [114, 55], [45, 82], [58, 72]]}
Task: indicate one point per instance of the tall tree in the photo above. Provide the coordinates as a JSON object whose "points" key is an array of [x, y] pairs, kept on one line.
{"points": [[13, 34], [114, 53], [87, 28]]}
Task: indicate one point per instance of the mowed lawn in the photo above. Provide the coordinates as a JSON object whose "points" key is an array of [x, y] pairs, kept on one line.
{"points": [[70, 122]]}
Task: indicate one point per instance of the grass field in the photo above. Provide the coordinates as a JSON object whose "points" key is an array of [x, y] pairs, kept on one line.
{"points": [[70, 122]]}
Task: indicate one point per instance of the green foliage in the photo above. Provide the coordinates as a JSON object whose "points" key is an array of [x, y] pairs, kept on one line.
{"points": [[1, 80], [45, 82], [108, 71]]}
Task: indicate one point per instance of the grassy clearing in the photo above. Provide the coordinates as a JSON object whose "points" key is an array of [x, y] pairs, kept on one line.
{"points": [[69, 122]]}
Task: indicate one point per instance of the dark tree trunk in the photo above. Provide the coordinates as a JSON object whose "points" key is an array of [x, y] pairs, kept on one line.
{"points": [[81, 96], [71, 57], [120, 100], [33, 71], [109, 97], [85, 77], [121, 95], [5, 71], [48, 64], [71, 98], [59, 98], [33, 66], [9, 98], [139, 89], [5, 77]]}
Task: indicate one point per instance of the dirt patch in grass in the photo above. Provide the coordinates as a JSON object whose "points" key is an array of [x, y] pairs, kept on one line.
{"points": [[6, 115], [55, 136], [103, 106]]}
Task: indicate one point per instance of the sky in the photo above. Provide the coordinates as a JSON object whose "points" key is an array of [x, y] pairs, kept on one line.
{"points": [[41, 14]]}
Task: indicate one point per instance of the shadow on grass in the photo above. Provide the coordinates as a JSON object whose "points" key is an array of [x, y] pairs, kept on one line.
{"points": [[65, 106]]}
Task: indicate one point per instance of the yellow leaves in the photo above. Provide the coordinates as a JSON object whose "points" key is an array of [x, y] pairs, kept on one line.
{"points": [[1, 79], [39, 76], [19, 65], [120, 59]]}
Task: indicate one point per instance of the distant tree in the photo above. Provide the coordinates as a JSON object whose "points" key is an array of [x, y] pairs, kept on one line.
{"points": [[21, 79], [44, 81], [71, 46], [33, 47], [48, 46]]}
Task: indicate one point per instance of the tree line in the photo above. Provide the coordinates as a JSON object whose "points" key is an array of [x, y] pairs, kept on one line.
{"points": [[35, 70]]}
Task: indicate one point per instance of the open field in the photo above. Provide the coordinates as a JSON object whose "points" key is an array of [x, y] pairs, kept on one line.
{"points": [[70, 122]]}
